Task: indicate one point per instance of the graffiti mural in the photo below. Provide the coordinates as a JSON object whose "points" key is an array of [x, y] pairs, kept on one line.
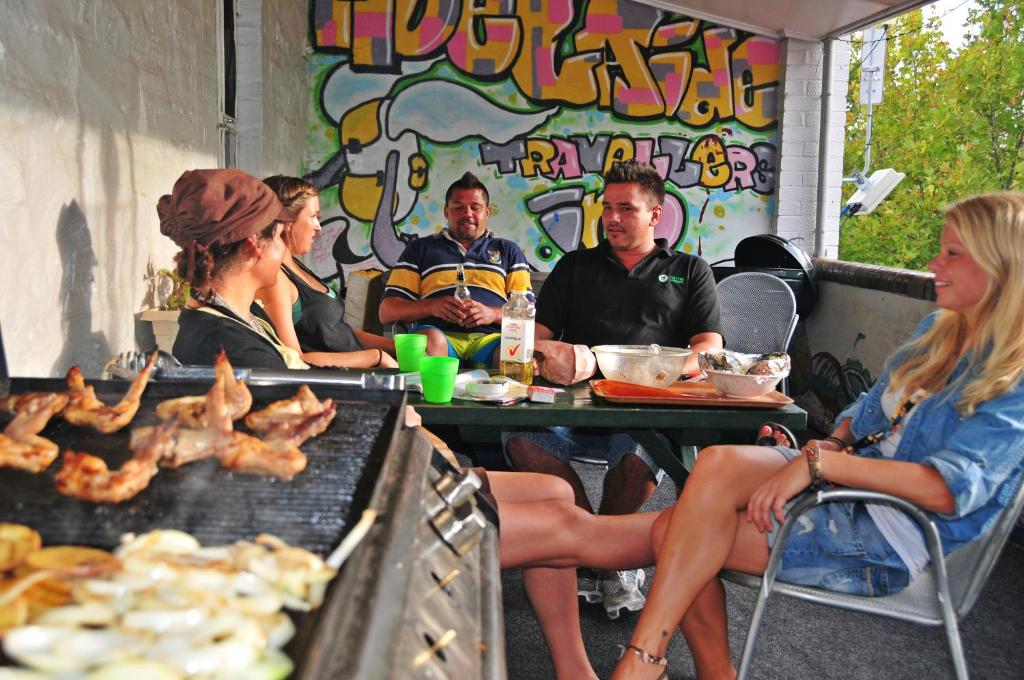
{"points": [[538, 99]]}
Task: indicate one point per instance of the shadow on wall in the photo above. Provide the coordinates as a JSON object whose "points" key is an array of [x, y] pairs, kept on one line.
{"points": [[82, 346]]}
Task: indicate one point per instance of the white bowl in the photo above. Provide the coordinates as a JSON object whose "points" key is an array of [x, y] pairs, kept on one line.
{"points": [[741, 386], [648, 365], [487, 389]]}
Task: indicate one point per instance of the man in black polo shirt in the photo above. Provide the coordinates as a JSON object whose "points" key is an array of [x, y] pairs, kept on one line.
{"points": [[629, 290]]}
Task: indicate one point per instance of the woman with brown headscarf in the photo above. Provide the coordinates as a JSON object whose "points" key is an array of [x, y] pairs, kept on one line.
{"points": [[228, 225]]}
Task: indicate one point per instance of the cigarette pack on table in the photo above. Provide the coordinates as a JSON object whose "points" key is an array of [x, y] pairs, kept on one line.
{"points": [[544, 395]]}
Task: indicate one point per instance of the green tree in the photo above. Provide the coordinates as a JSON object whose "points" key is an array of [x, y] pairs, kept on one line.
{"points": [[954, 123]]}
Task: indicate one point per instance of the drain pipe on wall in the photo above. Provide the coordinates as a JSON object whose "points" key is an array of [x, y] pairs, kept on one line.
{"points": [[824, 152]]}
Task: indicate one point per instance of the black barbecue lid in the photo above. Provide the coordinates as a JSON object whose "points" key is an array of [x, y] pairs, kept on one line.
{"points": [[769, 250]]}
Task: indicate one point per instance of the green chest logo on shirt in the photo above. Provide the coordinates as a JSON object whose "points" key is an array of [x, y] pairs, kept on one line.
{"points": [[665, 278]]}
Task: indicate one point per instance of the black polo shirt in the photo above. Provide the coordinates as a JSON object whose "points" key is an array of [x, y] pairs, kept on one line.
{"points": [[589, 298]]}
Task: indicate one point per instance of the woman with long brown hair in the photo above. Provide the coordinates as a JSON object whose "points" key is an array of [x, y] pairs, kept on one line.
{"points": [[308, 313], [943, 427]]}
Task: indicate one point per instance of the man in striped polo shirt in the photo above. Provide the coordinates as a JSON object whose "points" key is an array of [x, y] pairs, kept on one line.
{"points": [[420, 290]]}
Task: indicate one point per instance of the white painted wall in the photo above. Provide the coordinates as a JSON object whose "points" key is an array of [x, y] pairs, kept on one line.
{"points": [[285, 71], [105, 103], [796, 183], [850, 322], [272, 106]]}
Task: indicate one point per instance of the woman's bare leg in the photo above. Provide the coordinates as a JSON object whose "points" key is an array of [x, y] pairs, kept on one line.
{"points": [[704, 625], [539, 526], [552, 594], [706, 532]]}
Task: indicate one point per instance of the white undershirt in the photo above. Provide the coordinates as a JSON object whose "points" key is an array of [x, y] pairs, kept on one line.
{"points": [[900, 531]]}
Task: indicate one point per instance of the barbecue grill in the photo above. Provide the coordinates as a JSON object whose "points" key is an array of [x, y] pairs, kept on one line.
{"points": [[419, 598]]}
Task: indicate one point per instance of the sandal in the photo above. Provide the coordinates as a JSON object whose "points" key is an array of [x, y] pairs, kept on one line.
{"points": [[647, 658], [769, 439]]}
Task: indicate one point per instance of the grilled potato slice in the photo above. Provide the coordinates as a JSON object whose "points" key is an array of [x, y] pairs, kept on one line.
{"points": [[13, 613], [17, 541], [65, 557]]}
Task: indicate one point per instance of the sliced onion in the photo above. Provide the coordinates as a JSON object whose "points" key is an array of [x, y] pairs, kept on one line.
{"points": [[31, 646], [96, 647], [135, 669], [169, 541], [271, 665], [161, 621], [279, 630], [232, 655], [22, 674], [89, 614], [57, 649], [97, 588]]}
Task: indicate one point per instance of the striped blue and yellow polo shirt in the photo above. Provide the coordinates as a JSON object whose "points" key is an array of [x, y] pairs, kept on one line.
{"points": [[427, 268]]}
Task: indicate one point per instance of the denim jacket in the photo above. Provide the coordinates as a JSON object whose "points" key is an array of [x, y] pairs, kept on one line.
{"points": [[980, 457]]}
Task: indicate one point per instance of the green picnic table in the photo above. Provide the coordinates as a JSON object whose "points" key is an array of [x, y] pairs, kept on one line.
{"points": [[687, 427]]}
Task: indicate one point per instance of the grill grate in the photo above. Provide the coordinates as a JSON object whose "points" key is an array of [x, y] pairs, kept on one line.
{"points": [[313, 510]]}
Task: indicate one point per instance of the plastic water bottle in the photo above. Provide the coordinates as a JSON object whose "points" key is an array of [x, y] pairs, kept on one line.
{"points": [[462, 292], [517, 325]]}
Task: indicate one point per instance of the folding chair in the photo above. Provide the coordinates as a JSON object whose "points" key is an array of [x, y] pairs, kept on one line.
{"points": [[939, 596]]}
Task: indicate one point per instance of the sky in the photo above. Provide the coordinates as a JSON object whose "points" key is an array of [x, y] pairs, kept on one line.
{"points": [[955, 12]]}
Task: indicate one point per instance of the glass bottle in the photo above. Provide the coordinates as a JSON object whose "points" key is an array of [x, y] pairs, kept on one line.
{"points": [[462, 292], [517, 326]]}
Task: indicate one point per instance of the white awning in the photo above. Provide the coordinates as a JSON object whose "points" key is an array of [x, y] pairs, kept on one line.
{"points": [[800, 19]]}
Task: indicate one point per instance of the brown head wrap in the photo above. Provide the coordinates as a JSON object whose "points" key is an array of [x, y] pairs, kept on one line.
{"points": [[216, 206]]}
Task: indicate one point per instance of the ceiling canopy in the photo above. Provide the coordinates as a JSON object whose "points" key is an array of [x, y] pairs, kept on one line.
{"points": [[801, 19]]}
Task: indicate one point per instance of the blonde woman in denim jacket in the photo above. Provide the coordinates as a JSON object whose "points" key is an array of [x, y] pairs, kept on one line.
{"points": [[943, 427]]}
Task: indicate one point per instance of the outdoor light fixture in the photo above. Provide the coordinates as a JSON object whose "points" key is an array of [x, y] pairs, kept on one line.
{"points": [[872, 191]]}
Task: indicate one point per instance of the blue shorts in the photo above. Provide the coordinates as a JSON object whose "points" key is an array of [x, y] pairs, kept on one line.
{"points": [[838, 547], [566, 443]]}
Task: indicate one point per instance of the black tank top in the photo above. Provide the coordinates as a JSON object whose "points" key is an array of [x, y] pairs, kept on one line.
{"points": [[321, 326]]}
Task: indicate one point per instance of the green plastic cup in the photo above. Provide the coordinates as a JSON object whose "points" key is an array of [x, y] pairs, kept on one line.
{"points": [[438, 376], [410, 348]]}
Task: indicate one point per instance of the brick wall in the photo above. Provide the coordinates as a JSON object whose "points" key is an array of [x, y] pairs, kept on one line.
{"points": [[800, 121]]}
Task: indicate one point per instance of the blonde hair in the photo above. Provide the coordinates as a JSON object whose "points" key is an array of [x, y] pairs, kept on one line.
{"points": [[294, 193], [991, 227]]}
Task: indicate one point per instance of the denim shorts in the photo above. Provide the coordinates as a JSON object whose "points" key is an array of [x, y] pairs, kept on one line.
{"points": [[566, 443], [838, 547]]}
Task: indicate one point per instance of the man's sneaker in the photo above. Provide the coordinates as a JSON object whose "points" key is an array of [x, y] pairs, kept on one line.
{"points": [[588, 585], [622, 591]]}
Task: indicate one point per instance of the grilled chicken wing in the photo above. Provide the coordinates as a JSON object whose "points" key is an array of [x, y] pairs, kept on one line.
{"points": [[279, 458], [84, 409], [246, 453], [295, 420], [192, 410], [237, 451], [21, 446], [87, 477], [28, 402]]}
